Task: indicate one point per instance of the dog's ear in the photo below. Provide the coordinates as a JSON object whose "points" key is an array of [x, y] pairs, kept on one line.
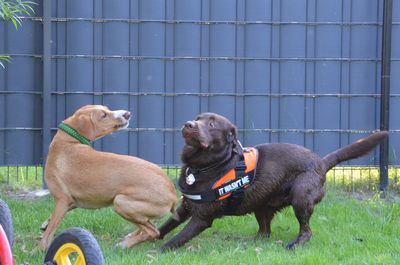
{"points": [[86, 127], [231, 136]]}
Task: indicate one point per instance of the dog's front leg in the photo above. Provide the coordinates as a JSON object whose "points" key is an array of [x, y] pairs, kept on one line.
{"points": [[53, 222], [192, 229], [179, 216]]}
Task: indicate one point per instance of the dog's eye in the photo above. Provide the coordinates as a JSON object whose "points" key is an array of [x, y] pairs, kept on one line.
{"points": [[104, 115], [212, 124]]}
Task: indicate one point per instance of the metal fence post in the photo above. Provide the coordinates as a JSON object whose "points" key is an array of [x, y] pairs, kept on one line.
{"points": [[46, 96], [385, 94]]}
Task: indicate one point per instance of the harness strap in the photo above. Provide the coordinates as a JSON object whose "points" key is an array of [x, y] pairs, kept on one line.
{"points": [[232, 183]]}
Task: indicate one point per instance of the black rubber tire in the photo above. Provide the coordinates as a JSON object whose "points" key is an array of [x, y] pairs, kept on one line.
{"points": [[83, 239], [6, 222]]}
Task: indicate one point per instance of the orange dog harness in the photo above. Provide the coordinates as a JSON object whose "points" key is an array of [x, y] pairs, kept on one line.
{"points": [[235, 181]]}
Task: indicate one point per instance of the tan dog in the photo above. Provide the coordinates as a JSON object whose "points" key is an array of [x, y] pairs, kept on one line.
{"points": [[79, 176]]}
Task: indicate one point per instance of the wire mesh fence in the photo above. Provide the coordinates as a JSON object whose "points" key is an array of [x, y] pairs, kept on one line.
{"points": [[362, 179]]}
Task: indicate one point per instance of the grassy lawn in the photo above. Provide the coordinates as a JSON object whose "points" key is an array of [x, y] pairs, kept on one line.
{"points": [[346, 231]]}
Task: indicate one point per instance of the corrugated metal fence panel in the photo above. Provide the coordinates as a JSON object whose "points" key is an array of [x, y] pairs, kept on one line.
{"points": [[190, 75], [303, 71], [21, 100], [326, 77], [257, 41], [395, 84]]}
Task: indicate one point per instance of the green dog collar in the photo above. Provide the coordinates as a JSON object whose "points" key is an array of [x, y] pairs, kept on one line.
{"points": [[73, 133]]}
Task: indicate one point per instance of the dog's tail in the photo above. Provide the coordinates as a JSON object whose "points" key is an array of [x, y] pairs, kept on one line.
{"points": [[357, 149]]}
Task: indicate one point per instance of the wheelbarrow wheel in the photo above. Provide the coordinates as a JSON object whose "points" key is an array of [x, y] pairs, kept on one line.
{"points": [[6, 222], [75, 246]]}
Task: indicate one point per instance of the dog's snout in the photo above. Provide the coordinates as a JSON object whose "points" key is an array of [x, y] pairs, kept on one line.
{"points": [[127, 115], [190, 124]]}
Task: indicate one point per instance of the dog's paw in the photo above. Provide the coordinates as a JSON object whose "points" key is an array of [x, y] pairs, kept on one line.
{"points": [[166, 248], [163, 249], [43, 245], [261, 236], [291, 246], [121, 245], [43, 227]]}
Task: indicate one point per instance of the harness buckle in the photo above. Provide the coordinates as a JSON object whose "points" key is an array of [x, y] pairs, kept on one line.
{"points": [[241, 165]]}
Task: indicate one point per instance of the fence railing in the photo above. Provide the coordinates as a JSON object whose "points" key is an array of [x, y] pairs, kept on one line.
{"points": [[359, 179]]}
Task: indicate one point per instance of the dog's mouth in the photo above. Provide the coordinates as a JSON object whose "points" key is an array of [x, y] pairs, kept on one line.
{"points": [[193, 138], [121, 126]]}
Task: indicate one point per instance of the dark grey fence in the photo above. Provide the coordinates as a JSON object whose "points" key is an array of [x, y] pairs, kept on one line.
{"points": [[299, 71]]}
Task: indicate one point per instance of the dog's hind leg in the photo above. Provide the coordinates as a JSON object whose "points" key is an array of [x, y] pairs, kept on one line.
{"points": [[138, 213], [306, 192], [144, 232], [181, 214]]}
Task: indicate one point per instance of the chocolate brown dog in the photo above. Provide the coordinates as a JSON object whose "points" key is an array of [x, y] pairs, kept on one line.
{"points": [[286, 174]]}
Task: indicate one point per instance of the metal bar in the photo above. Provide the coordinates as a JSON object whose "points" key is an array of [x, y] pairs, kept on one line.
{"points": [[279, 47], [169, 94], [306, 72], [272, 130], [385, 94], [164, 137], [20, 92], [376, 101], [245, 68], [236, 63], [20, 129], [213, 22], [200, 58], [341, 103], [130, 85], [350, 86], [314, 71], [6, 103], [46, 98], [270, 75]]}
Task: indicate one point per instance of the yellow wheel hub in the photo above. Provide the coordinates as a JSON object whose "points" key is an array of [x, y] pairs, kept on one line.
{"points": [[69, 254]]}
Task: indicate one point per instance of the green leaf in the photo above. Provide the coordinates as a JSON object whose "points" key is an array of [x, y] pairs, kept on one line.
{"points": [[11, 10], [4, 58]]}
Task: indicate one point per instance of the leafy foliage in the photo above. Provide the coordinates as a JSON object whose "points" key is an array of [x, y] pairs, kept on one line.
{"points": [[4, 58], [12, 11]]}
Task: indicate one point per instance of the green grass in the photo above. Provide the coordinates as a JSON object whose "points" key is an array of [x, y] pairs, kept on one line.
{"points": [[346, 231], [361, 179], [17, 177]]}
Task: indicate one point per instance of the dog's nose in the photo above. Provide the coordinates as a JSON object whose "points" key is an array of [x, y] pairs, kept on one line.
{"points": [[127, 115], [190, 124]]}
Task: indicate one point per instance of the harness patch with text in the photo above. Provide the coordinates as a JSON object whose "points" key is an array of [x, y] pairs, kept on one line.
{"points": [[235, 181]]}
